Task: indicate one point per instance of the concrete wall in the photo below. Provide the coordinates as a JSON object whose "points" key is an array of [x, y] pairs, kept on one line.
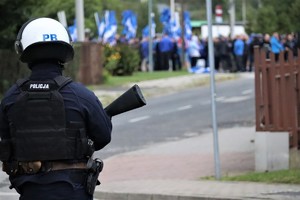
{"points": [[271, 151]]}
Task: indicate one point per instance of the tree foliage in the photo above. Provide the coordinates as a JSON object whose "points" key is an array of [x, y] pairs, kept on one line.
{"points": [[267, 20], [262, 15], [273, 15], [295, 8], [13, 14]]}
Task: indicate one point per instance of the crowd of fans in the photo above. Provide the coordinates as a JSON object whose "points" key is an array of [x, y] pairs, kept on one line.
{"points": [[236, 55]]}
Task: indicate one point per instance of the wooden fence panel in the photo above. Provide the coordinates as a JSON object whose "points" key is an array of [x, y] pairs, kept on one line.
{"points": [[277, 94]]}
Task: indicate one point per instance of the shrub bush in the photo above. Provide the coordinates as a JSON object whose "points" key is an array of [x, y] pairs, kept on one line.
{"points": [[121, 59]]}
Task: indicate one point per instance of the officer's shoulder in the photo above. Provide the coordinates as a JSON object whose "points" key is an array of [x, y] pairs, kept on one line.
{"points": [[80, 89]]}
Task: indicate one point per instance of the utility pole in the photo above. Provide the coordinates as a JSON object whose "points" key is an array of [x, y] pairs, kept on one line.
{"points": [[232, 17], [244, 12], [172, 8], [79, 5], [212, 87]]}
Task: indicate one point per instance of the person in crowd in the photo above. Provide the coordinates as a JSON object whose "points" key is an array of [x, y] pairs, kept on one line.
{"points": [[154, 52], [266, 45], [290, 45], [217, 53], [232, 41], [145, 54], [175, 56], [276, 45], [194, 51], [157, 53], [225, 51], [238, 50], [165, 47], [204, 51]]}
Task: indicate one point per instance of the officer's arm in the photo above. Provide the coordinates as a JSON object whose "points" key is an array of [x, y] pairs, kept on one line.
{"points": [[4, 128], [99, 125]]}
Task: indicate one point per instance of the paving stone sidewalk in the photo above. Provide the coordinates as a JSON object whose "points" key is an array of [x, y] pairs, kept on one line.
{"points": [[173, 170]]}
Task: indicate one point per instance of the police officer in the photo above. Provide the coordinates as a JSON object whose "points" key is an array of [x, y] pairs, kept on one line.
{"points": [[49, 125]]}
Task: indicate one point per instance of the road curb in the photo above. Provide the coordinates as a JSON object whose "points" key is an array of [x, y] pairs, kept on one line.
{"points": [[137, 196]]}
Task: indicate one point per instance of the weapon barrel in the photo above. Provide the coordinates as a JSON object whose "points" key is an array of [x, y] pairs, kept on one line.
{"points": [[129, 100]]}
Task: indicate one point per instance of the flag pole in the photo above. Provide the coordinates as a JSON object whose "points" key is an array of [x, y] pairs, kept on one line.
{"points": [[150, 36], [80, 19]]}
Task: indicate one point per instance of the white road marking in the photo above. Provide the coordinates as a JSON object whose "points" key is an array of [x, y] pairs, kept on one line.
{"points": [[247, 91], [138, 119], [220, 98], [184, 107], [235, 99]]}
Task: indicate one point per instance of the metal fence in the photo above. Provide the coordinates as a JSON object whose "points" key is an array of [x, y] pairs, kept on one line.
{"points": [[277, 84]]}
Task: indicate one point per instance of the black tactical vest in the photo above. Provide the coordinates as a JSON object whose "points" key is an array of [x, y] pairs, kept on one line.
{"points": [[39, 130]]}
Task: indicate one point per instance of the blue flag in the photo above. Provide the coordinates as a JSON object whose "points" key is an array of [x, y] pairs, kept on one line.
{"points": [[129, 23], [165, 19], [175, 27], [187, 25], [110, 30], [171, 24], [73, 31], [146, 32], [100, 22]]}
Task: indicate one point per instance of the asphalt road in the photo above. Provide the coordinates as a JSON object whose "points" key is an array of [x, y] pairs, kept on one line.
{"points": [[181, 115], [173, 117]]}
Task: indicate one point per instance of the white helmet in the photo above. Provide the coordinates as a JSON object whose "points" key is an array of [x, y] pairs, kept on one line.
{"points": [[44, 39]]}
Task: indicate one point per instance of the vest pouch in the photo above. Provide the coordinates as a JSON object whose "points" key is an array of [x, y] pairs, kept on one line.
{"points": [[44, 146], [84, 147]]}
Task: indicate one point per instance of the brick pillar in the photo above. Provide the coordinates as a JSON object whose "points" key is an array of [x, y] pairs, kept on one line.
{"points": [[91, 63]]}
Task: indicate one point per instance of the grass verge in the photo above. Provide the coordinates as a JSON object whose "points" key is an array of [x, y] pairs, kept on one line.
{"points": [[282, 176], [141, 76]]}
